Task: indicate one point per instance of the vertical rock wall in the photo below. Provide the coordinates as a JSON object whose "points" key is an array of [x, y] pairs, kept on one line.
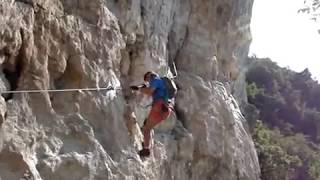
{"points": [[70, 44]]}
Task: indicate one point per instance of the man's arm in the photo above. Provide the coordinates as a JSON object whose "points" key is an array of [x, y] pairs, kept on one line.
{"points": [[154, 84], [147, 90], [143, 89]]}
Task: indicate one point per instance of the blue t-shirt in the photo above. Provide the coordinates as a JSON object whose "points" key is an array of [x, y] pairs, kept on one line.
{"points": [[160, 91]]}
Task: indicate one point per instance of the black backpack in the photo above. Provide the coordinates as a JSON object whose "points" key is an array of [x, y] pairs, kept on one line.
{"points": [[171, 87]]}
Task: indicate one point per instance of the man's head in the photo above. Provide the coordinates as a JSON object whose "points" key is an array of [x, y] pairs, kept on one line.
{"points": [[148, 76]]}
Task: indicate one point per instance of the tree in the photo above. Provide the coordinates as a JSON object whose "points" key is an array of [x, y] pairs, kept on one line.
{"points": [[288, 104], [311, 7], [275, 162]]}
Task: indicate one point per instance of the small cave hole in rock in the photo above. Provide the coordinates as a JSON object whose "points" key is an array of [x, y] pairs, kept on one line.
{"points": [[143, 11], [219, 11], [130, 54], [12, 75]]}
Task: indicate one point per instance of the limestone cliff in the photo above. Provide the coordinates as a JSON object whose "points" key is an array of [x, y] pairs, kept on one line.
{"points": [[70, 44]]}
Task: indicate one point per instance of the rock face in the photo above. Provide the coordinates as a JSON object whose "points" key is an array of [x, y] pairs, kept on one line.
{"points": [[71, 44]]}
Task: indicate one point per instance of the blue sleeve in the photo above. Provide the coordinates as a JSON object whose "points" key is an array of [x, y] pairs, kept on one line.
{"points": [[156, 84]]}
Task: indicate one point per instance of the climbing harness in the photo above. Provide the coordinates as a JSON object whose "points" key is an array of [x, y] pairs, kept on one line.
{"points": [[109, 88]]}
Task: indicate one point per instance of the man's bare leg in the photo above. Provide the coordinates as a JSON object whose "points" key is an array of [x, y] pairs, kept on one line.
{"points": [[147, 128]]}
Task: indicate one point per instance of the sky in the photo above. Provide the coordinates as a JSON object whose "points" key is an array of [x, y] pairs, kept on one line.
{"points": [[286, 37]]}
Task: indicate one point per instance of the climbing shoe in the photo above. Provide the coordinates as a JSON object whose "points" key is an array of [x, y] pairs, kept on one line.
{"points": [[144, 152]]}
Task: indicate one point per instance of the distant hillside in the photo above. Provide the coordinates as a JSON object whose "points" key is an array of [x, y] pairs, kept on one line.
{"points": [[287, 130]]}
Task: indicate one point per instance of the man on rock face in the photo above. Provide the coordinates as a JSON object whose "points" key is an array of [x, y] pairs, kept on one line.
{"points": [[160, 107]]}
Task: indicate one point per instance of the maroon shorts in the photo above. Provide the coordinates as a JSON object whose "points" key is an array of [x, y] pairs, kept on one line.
{"points": [[160, 111]]}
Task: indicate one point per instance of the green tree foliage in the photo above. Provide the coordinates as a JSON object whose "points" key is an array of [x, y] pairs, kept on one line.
{"points": [[285, 157], [283, 96], [275, 162], [288, 136], [253, 90]]}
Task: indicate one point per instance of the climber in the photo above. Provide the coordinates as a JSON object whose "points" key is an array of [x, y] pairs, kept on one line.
{"points": [[160, 110]]}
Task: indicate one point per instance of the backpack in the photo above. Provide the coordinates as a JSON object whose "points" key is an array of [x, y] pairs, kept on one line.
{"points": [[171, 87]]}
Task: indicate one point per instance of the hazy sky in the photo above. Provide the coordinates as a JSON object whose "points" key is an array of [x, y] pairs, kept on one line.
{"points": [[289, 38]]}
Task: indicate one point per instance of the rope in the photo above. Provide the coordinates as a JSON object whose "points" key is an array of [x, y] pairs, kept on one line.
{"points": [[59, 90], [174, 72], [175, 69]]}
